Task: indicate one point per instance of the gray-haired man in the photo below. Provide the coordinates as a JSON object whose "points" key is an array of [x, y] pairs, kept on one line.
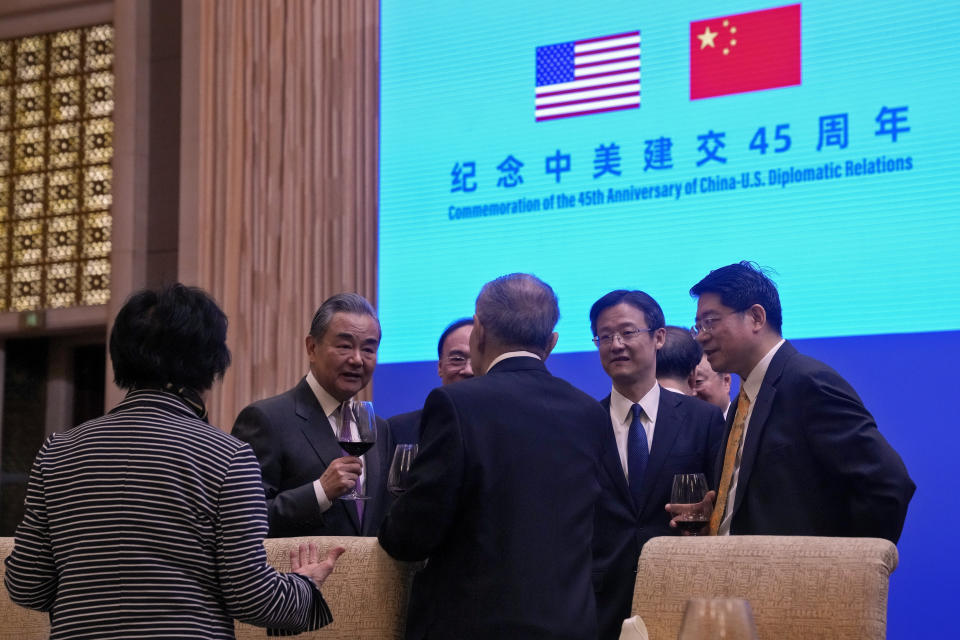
{"points": [[295, 434]]}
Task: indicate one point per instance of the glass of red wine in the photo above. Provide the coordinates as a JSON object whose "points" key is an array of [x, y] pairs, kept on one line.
{"points": [[687, 498], [398, 479], [357, 438]]}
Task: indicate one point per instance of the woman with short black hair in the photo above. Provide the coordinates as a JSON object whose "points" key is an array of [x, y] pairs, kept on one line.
{"points": [[148, 521]]}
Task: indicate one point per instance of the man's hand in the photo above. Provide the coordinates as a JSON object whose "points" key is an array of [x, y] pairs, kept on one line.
{"points": [[305, 562], [703, 509], [341, 476]]}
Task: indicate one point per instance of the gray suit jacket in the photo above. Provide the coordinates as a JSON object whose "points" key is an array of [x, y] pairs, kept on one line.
{"points": [[293, 441]]}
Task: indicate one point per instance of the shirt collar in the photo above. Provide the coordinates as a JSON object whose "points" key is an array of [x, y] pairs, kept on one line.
{"points": [[622, 406], [328, 403], [751, 386], [513, 354]]}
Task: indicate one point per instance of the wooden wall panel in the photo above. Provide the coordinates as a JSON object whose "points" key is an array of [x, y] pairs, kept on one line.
{"points": [[278, 174]]}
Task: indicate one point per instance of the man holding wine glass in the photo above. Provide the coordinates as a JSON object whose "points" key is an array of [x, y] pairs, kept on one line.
{"points": [[802, 456], [652, 434], [502, 494], [323, 455]]}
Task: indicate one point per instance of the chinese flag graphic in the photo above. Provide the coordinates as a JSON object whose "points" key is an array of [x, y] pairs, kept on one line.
{"points": [[745, 52]]}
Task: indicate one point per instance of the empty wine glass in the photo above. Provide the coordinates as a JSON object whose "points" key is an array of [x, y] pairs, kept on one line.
{"points": [[398, 478], [687, 498], [710, 619]]}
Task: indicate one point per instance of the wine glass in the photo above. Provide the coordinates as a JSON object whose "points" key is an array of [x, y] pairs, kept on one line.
{"points": [[399, 476], [687, 496], [357, 442], [727, 618]]}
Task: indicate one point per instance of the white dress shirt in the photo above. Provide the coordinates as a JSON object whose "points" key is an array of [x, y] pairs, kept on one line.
{"points": [[331, 409], [512, 354], [621, 415], [751, 387]]}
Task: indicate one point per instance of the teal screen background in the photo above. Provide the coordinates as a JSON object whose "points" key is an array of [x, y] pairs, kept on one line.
{"points": [[457, 85], [867, 264]]}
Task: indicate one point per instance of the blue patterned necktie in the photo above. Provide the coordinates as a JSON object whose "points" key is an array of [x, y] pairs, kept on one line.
{"points": [[637, 453]]}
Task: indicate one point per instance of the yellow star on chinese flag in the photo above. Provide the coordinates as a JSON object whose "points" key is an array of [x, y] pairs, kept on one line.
{"points": [[707, 38]]}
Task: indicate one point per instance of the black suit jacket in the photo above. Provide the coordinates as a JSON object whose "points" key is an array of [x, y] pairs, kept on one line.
{"points": [[294, 443], [686, 439], [814, 462], [405, 427], [502, 501]]}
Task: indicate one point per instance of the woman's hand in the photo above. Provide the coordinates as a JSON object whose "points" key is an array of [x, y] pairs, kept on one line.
{"points": [[306, 563]]}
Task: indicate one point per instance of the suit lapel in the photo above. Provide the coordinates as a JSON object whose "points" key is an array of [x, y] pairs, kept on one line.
{"points": [[315, 427], [373, 470], [665, 433], [611, 461], [758, 419]]}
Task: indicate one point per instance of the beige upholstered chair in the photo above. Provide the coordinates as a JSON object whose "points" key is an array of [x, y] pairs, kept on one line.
{"points": [[17, 623], [800, 588], [367, 592]]}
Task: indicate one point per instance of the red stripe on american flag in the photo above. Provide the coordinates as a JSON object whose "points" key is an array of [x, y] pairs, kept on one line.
{"points": [[612, 61], [591, 88], [607, 73], [629, 47], [619, 35], [633, 92], [583, 113]]}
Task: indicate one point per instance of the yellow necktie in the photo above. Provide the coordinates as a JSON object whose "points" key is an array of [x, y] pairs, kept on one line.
{"points": [[729, 459]]}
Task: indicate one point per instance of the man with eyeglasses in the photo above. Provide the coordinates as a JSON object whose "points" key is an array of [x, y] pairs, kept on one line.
{"points": [[453, 364], [654, 434], [802, 455], [712, 387]]}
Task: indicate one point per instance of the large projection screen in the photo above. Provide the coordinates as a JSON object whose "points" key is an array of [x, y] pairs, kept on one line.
{"points": [[639, 145]]}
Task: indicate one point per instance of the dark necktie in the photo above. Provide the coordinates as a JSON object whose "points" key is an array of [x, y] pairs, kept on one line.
{"points": [[637, 453]]}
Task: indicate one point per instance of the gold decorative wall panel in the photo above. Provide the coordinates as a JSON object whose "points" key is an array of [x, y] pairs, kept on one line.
{"points": [[56, 146]]}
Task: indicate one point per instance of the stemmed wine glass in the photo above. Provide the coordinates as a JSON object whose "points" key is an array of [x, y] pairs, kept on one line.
{"points": [[357, 442], [728, 618], [689, 490], [398, 478]]}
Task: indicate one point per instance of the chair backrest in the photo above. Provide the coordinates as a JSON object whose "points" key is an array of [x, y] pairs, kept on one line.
{"points": [[367, 591], [17, 623], [800, 588]]}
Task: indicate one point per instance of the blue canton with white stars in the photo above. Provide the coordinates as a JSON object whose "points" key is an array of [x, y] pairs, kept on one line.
{"points": [[555, 64]]}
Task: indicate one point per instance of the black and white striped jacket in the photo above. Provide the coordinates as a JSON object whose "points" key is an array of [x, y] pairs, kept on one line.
{"points": [[150, 522]]}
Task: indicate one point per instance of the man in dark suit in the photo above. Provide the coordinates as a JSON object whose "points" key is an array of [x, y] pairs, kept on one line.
{"points": [[503, 492], [652, 434], [295, 434], [453, 364], [677, 361], [803, 456]]}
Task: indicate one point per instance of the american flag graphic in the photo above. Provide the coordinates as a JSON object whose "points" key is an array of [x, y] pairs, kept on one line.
{"points": [[588, 76]]}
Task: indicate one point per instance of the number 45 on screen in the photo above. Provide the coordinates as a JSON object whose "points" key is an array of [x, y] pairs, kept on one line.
{"points": [[759, 141]]}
